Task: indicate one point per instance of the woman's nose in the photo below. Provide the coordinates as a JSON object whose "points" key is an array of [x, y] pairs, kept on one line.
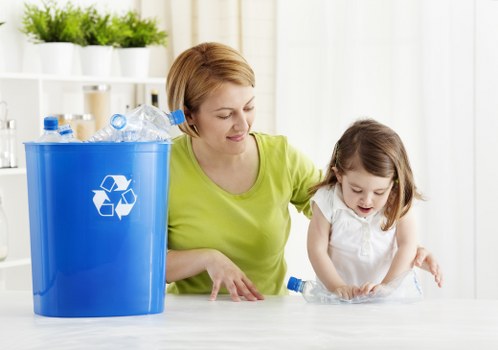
{"points": [[240, 122]]}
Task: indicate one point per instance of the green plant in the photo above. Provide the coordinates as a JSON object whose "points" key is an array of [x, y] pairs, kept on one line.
{"points": [[99, 29], [137, 32], [51, 23]]}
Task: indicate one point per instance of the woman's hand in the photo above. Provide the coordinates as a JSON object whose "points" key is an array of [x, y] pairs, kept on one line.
{"points": [[224, 272], [426, 261]]}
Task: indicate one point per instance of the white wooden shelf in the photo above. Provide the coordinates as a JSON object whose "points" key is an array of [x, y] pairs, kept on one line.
{"points": [[8, 263], [83, 78], [12, 171]]}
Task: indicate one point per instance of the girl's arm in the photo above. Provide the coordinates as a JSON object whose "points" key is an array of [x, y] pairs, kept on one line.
{"points": [[407, 241], [318, 243]]}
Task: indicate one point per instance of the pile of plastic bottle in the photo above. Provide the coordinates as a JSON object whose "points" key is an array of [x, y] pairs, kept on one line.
{"points": [[143, 124]]}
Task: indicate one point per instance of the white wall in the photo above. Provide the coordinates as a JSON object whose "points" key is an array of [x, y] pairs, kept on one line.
{"points": [[426, 68]]}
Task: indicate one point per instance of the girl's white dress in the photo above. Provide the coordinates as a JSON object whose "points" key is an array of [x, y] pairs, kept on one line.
{"points": [[359, 249]]}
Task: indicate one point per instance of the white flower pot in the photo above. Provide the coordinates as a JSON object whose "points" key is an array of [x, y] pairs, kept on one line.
{"points": [[56, 58], [134, 61], [96, 60]]}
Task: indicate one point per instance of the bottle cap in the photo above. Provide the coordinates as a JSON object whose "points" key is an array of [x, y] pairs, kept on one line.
{"points": [[294, 284], [50, 123], [118, 121], [177, 117], [65, 129]]}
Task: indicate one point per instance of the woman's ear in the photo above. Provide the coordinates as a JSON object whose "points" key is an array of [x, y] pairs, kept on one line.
{"points": [[188, 115], [337, 174]]}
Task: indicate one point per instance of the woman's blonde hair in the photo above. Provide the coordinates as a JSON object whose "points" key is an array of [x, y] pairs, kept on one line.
{"points": [[199, 71], [379, 150]]}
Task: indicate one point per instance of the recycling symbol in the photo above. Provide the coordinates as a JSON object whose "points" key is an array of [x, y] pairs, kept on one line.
{"points": [[114, 189]]}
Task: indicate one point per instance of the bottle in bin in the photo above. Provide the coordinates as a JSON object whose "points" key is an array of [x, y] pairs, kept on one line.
{"points": [[67, 134], [144, 123], [50, 130]]}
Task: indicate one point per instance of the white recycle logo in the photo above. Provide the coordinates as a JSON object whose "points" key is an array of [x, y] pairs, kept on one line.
{"points": [[110, 185]]}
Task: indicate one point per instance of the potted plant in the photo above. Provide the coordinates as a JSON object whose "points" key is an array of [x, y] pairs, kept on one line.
{"points": [[136, 35], [55, 30], [101, 33]]}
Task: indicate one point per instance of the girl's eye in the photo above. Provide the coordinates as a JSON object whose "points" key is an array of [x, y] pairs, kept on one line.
{"points": [[355, 190], [379, 193], [248, 108]]}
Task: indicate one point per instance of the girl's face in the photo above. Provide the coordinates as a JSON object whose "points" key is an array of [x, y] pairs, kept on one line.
{"points": [[363, 192], [225, 118]]}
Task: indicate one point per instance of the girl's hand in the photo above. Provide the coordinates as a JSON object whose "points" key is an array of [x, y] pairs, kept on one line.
{"points": [[224, 272], [426, 261], [346, 292]]}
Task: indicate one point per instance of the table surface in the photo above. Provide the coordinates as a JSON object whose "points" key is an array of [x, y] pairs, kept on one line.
{"points": [[193, 322]]}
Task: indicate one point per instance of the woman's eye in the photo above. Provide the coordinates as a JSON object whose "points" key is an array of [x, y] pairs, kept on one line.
{"points": [[248, 108], [356, 190], [379, 193], [225, 116]]}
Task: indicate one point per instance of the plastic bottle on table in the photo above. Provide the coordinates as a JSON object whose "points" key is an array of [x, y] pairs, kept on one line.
{"points": [[67, 134], [312, 291], [404, 288], [4, 234], [145, 123], [51, 132]]}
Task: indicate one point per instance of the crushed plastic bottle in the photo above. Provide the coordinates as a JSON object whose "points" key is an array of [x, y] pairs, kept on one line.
{"points": [[404, 288], [67, 134], [50, 133], [144, 123]]}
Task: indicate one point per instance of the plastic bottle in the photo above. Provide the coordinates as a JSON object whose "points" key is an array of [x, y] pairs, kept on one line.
{"points": [[404, 288], [144, 123], [51, 133], [312, 291], [4, 234], [67, 134]]}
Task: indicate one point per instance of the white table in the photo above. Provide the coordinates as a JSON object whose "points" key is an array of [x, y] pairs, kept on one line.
{"points": [[193, 322]]}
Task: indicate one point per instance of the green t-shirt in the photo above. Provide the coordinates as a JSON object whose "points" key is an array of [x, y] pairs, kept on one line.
{"points": [[250, 228]]}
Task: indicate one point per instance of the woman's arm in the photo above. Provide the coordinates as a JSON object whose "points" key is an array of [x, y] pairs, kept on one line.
{"points": [[318, 243], [426, 261], [181, 264]]}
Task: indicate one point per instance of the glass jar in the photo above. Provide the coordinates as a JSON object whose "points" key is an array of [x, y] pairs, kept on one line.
{"points": [[97, 103]]}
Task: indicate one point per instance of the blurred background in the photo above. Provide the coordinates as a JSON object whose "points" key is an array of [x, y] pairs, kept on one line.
{"points": [[428, 69]]}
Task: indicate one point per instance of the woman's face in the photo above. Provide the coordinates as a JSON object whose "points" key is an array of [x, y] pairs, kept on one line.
{"points": [[225, 118]]}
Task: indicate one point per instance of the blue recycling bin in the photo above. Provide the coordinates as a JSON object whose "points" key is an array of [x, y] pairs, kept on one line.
{"points": [[98, 226]]}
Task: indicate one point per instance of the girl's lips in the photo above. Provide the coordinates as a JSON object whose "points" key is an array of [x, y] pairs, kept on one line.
{"points": [[365, 210]]}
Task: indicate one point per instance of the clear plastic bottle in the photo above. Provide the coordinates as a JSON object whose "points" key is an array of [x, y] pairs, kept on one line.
{"points": [[51, 132], [4, 234], [144, 123], [312, 291], [404, 288], [67, 134]]}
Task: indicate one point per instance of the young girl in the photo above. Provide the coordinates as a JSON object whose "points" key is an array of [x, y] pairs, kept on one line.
{"points": [[362, 232]]}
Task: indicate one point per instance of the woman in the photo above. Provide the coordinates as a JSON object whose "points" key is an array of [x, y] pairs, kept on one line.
{"points": [[230, 188]]}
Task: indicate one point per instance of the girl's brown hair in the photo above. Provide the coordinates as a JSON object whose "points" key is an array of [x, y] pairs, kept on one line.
{"points": [[379, 150], [199, 71]]}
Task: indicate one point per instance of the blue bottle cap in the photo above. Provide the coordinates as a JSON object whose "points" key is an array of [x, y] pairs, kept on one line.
{"points": [[177, 117], [65, 129], [50, 123], [118, 121], [294, 284]]}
